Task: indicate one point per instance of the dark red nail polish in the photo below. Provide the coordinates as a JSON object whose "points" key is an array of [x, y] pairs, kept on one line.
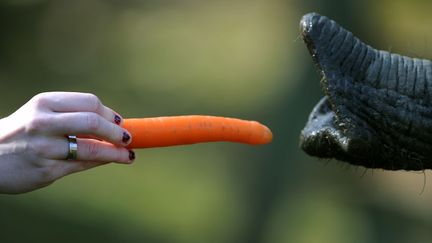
{"points": [[117, 119], [126, 137], [131, 155]]}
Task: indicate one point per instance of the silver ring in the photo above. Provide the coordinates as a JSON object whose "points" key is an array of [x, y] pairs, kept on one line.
{"points": [[73, 148]]}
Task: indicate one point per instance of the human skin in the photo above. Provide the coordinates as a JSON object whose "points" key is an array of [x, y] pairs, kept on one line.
{"points": [[377, 108], [34, 145]]}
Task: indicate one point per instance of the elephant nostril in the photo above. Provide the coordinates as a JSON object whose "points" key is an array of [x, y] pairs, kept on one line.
{"points": [[320, 137], [377, 106]]}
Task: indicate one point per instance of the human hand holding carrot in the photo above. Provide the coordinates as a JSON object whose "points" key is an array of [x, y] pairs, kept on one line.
{"points": [[38, 142], [35, 150]]}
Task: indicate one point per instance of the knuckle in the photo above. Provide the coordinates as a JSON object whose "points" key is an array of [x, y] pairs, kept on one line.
{"points": [[93, 122], [119, 156], [94, 102], [41, 148], [41, 100], [38, 123], [93, 151], [47, 174]]}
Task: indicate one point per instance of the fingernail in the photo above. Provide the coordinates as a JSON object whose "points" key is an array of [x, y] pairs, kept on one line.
{"points": [[126, 137], [131, 155], [117, 119]]}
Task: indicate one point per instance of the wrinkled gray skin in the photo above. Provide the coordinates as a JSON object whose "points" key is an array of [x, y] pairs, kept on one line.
{"points": [[377, 108]]}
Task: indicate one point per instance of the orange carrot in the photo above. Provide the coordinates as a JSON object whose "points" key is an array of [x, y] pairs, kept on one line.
{"points": [[180, 130]]}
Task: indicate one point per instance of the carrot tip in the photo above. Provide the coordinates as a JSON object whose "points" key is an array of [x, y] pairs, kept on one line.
{"points": [[268, 135]]}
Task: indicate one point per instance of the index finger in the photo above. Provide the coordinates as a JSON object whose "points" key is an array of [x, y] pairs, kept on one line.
{"points": [[76, 102]]}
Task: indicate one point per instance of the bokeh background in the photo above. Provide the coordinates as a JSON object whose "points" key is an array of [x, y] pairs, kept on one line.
{"points": [[240, 58]]}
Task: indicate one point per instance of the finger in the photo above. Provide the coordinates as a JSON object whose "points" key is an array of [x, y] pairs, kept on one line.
{"points": [[88, 136], [66, 167], [90, 124], [91, 150], [52, 170], [69, 167], [75, 102]]}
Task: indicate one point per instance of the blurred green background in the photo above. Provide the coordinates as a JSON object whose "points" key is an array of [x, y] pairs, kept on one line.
{"points": [[240, 58]]}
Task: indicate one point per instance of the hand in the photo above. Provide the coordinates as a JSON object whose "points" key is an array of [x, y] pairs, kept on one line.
{"points": [[34, 144]]}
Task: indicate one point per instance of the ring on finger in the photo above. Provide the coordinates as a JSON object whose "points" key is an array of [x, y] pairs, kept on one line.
{"points": [[73, 148]]}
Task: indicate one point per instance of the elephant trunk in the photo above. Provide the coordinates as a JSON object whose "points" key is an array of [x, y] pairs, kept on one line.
{"points": [[377, 109]]}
